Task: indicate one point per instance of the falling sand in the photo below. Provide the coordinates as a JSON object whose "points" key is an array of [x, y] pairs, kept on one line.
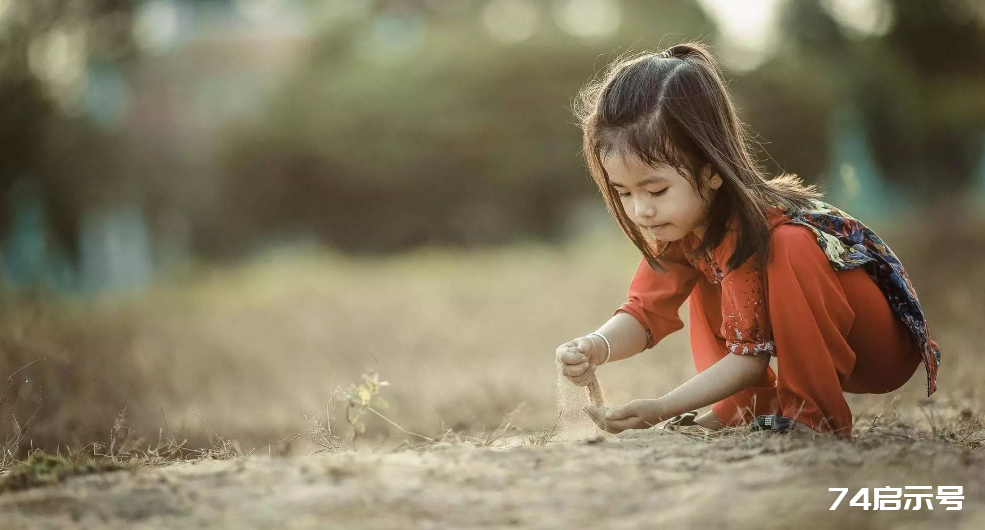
{"points": [[573, 421]]}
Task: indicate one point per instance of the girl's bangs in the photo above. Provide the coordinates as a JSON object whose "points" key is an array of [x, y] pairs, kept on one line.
{"points": [[651, 142]]}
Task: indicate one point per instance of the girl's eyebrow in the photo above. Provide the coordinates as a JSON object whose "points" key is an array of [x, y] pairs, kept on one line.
{"points": [[646, 180]]}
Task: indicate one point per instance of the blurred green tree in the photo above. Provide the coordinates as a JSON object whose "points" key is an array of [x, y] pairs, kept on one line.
{"points": [[411, 125], [916, 83]]}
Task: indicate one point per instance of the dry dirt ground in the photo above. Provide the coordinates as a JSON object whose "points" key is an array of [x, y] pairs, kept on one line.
{"points": [[639, 479]]}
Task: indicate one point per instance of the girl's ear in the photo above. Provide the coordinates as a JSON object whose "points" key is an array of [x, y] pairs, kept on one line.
{"points": [[714, 180]]}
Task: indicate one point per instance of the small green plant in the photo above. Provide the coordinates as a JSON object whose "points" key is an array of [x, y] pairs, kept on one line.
{"points": [[359, 399], [364, 397]]}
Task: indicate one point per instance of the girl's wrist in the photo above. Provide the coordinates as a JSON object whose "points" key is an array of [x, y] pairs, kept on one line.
{"points": [[659, 411], [651, 411], [602, 346]]}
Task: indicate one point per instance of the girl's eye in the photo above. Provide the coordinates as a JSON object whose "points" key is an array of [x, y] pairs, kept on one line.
{"points": [[653, 193]]}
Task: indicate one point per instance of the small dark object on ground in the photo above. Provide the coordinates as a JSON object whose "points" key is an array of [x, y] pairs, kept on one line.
{"points": [[771, 422]]}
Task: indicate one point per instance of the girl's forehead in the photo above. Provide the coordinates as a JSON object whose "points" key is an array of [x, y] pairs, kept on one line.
{"points": [[623, 162]]}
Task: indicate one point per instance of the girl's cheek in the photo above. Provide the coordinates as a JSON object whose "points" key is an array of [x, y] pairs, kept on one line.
{"points": [[627, 206]]}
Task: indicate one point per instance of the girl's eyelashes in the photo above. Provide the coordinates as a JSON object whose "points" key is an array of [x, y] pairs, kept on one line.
{"points": [[653, 193]]}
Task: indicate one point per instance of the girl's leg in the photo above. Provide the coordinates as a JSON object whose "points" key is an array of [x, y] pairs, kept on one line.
{"points": [[708, 347], [811, 318], [885, 355]]}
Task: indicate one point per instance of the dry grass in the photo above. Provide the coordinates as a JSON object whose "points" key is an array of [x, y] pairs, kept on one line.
{"points": [[123, 450], [965, 430]]}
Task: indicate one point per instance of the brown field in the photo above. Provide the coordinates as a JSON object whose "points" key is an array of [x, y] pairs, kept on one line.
{"points": [[463, 339]]}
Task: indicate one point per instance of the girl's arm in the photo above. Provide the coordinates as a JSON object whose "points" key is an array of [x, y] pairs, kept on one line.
{"points": [[726, 377], [626, 336], [721, 380], [650, 312]]}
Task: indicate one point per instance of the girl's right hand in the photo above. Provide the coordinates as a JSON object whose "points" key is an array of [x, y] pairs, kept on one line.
{"points": [[578, 359]]}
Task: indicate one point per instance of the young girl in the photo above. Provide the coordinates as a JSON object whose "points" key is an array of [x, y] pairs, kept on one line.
{"points": [[767, 268]]}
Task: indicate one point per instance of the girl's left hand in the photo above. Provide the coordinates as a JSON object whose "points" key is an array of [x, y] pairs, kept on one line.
{"points": [[637, 414]]}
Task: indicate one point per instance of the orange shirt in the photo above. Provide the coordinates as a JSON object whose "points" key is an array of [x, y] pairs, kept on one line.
{"points": [[655, 298]]}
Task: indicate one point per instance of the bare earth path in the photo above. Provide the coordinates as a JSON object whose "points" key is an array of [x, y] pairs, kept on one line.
{"points": [[640, 479]]}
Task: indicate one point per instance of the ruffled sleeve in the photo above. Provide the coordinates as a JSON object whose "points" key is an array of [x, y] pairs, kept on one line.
{"points": [[745, 320], [656, 297]]}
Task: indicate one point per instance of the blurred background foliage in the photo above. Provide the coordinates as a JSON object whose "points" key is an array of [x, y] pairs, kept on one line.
{"points": [[139, 135]]}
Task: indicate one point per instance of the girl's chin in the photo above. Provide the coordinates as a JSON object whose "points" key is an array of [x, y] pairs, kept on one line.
{"points": [[666, 234]]}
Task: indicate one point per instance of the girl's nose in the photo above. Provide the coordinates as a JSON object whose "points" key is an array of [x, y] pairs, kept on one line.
{"points": [[644, 209]]}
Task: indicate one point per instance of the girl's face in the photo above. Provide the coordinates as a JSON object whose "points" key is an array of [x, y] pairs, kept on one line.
{"points": [[660, 200]]}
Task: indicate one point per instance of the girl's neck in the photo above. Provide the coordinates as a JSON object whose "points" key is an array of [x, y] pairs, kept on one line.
{"points": [[700, 231]]}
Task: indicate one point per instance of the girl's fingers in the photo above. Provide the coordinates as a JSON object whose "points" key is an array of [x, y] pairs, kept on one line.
{"points": [[597, 415], [620, 413], [600, 416], [618, 426], [572, 357], [575, 370], [581, 370]]}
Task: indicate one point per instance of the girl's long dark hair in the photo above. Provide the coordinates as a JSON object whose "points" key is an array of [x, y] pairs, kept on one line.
{"points": [[673, 108]]}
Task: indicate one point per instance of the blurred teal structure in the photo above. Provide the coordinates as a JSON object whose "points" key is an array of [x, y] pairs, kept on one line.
{"points": [[28, 258], [855, 183], [115, 250]]}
